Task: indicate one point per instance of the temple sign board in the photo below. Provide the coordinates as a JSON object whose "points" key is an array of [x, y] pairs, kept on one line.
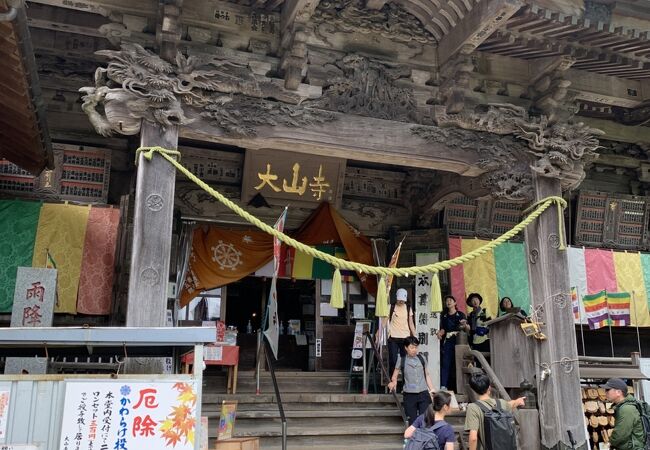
{"points": [[34, 300], [297, 179]]}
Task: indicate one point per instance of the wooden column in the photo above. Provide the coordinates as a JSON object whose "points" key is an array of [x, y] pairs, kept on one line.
{"points": [[559, 392], [152, 230], [318, 324]]}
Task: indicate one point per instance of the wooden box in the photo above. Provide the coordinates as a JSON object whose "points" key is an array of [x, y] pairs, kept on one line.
{"points": [[247, 443]]}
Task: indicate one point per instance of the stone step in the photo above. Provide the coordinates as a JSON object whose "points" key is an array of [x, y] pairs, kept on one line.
{"points": [[209, 398], [317, 382], [353, 442], [279, 374], [319, 427], [274, 413], [343, 408]]}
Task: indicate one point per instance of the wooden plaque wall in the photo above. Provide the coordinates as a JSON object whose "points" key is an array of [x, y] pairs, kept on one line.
{"points": [[612, 220], [465, 216], [80, 174]]}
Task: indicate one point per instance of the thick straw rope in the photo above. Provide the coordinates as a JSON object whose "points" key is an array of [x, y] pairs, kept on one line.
{"points": [[535, 210]]}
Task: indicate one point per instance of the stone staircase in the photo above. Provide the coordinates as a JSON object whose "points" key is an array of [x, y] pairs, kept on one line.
{"points": [[320, 413]]}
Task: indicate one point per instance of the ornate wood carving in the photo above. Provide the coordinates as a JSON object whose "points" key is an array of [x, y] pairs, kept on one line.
{"points": [[507, 173], [239, 115], [556, 150], [368, 88], [391, 21], [138, 84]]}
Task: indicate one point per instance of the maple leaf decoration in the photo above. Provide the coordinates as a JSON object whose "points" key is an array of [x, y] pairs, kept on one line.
{"points": [[179, 424]]}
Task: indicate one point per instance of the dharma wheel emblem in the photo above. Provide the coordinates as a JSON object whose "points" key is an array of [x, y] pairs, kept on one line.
{"points": [[226, 255]]}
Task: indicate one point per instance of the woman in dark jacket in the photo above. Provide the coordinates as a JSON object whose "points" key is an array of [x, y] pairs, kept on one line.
{"points": [[450, 324]]}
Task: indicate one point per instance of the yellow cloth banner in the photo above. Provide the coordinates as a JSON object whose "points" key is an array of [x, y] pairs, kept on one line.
{"points": [[302, 264], [480, 276], [629, 278], [62, 232]]}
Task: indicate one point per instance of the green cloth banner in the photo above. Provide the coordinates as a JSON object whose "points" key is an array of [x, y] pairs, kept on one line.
{"points": [[512, 274], [18, 222]]}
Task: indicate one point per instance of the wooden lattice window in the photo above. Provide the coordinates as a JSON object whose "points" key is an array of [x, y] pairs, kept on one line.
{"points": [[612, 220]]}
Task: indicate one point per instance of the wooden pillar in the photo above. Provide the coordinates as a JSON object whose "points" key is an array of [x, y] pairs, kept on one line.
{"points": [[152, 230], [318, 324], [560, 408]]}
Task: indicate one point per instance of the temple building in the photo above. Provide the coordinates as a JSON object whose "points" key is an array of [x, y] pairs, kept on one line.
{"points": [[415, 129]]}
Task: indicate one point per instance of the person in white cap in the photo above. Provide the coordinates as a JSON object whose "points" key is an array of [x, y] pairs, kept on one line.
{"points": [[400, 326]]}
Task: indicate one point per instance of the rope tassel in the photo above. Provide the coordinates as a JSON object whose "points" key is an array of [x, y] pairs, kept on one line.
{"points": [[336, 299], [436, 294], [381, 302]]}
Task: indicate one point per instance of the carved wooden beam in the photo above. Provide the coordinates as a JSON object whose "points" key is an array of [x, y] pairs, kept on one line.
{"points": [[296, 11], [515, 74], [105, 7], [384, 141], [548, 88], [293, 48], [168, 28], [475, 27]]}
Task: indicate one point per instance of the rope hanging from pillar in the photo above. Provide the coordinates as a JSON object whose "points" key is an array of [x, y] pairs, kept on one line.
{"points": [[534, 212]]}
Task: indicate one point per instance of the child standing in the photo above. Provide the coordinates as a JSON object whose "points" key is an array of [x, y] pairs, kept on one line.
{"points": [[418, 386]]}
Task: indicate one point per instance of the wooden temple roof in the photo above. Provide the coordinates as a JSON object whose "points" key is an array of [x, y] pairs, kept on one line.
{"points": [[608, 46], [24, 137], [600, 47]]}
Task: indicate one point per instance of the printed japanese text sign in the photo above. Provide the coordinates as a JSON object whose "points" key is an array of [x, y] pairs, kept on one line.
{"points": [[5, 393], [34, 297], [427, 323], [34, 301], [129, 415]]}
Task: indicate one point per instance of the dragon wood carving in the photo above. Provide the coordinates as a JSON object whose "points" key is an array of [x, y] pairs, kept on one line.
{"points": [[519, 143], [138, 84], [351, 16]]}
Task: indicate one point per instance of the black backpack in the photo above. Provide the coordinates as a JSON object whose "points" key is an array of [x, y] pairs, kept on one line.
{"points": [[425, 438], [499, 428], [644, 412], [422, 361]]}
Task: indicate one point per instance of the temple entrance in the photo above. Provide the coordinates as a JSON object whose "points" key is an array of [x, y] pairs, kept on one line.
{"points": [[245, 308]]}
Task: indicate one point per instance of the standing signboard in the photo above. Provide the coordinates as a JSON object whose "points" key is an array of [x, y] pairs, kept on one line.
{"points": [[361, 327], [123, 414], [34, 301], [5, 396], [427, 323]]}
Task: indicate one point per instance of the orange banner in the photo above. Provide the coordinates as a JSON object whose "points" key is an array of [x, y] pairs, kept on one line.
{"points": [[223, 256]]}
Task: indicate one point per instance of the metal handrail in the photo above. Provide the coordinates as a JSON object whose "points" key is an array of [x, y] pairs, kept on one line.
{"points": [[283, 418], [385, 372], [258, 362]]}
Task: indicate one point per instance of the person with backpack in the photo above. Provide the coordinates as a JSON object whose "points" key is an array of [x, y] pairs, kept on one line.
{"points": [[629, 414], [490, 422], [400, 325], [430, 431], [418, 387]]}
